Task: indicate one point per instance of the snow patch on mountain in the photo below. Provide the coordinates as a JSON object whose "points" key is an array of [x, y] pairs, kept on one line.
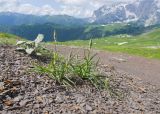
{"points": [[144, 11]]}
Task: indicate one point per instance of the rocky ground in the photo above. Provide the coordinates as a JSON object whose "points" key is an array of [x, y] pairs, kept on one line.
{"points": [[26, 92]]}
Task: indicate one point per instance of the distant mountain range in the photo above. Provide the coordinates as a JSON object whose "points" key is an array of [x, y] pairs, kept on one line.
{"points": [[10, 18], [123, 18], [145, 12]]}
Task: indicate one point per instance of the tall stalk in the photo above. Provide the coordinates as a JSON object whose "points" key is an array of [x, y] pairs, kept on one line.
{"points": [[55, 40]]}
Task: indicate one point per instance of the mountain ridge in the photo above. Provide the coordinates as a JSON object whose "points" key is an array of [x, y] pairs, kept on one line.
{"points": [[146, 12], [11, 18]]}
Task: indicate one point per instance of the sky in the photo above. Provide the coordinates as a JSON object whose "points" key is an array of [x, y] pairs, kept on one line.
{"points": [[76, 8]]}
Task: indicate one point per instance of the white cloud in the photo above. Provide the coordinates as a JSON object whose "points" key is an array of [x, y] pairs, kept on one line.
{"points": [[75, 11], [84, 8], [72, 2], [16, 6], [78, 8]]}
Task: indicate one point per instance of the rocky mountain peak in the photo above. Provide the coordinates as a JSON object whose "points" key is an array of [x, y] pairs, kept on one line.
{"points": [[144, 11]]}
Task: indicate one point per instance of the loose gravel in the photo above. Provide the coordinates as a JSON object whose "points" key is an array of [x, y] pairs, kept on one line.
{"points": [[23, 91]]}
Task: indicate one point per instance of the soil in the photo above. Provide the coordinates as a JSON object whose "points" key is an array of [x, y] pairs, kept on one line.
{"points": [[24, 91]]}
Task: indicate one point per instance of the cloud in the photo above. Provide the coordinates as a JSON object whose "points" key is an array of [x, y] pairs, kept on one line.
{"points": [[75, 11], [84, 8], [77, 8], [72, 2], [27, 8], [16, 6]]}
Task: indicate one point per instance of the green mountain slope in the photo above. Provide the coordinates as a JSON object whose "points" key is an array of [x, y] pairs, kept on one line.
{"points": [[146, 44], [6, 38], [66, 33]]}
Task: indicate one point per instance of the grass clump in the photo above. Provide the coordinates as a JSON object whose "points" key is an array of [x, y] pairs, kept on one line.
{"points": [[65, 70], [58, 69], [86, 69]]}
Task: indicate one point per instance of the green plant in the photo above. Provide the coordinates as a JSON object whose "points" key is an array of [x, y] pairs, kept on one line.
{"points": [[58, 69], [31, 47], [86, 68], [83, 68], [64, 70]]}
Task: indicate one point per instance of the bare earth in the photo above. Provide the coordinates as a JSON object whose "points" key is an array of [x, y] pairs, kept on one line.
{"points": [[146, 69]]}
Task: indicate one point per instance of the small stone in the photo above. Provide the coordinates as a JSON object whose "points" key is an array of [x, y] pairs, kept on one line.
{"points": [[1, 89], [23, 103], [1, 107], [88, 108], [82, 105], [17, 99], [39, 99], [50, 101], [79, 98], [8, 103], [28, 112], [36, 106], [35, 92], [59, 99], [1, 84], [46, 112]]}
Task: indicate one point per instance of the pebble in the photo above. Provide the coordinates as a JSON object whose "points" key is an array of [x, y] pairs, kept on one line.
{"points": [[18, 98], [59, 99], [24, 102], [36, 106], [88, 108]]}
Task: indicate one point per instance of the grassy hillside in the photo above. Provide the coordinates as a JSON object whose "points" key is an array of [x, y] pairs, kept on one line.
{"points": [[146, 44], [67, 33], [109, 27], [8, 38]]}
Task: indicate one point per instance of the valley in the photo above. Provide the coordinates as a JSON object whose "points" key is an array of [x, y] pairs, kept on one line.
{"points": [[140, 45]]}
